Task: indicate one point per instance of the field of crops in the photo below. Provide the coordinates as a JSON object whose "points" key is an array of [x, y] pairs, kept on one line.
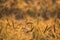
{"points": [[29, 19]]}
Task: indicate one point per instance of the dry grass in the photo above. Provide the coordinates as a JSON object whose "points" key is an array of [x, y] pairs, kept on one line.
{"points": [[30, 20]]}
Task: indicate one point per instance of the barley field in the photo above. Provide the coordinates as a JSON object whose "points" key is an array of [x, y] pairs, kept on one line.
{"points": [[29, 19]]}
